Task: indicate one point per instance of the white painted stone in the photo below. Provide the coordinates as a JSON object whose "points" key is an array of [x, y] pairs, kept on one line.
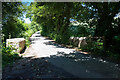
{"points": [[82, 42], [79, 41], [17, 43]]}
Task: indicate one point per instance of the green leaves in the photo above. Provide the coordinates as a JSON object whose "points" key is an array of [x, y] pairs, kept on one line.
{"points": [[10, 14], [8, 55], [117, 38]]}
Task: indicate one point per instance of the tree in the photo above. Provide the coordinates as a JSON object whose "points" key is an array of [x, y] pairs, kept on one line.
{"points": [[55, 19], [10, 13], [106, 12]]}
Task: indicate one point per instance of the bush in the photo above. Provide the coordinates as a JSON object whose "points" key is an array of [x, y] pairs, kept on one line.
{"points": [[8, 55], [27, 42], [94, 47]]}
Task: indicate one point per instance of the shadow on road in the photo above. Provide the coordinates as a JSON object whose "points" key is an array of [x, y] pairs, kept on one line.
{"points": [[60, 65], [83, 65], [33, 68], [54, 44]]}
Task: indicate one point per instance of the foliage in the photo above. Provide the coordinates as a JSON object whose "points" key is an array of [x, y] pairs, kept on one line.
{"points": [[81, 29], [54, 20], [30, 29], [10, 22], [106, 13], [8, 55], [95, 19]]}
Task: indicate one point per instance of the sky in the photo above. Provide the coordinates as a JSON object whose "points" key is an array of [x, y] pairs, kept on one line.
{"points": [[27, 20], [27, 0]]}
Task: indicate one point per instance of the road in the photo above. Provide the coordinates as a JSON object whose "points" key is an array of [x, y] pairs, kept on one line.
{"points": [[73, 62]]}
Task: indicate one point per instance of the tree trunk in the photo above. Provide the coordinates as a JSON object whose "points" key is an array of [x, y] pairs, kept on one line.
{"points": [[104, 27], [65, 34]]}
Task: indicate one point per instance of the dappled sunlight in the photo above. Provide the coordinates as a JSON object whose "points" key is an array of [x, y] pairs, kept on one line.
{"points": [[27, 20], [91, 66], [70, 61], [76, 26], [45, 58], [44, 47]]}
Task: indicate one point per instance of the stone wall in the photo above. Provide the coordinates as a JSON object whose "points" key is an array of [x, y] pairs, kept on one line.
{"points": [[17, 43], [82, 41], [78, 41]]}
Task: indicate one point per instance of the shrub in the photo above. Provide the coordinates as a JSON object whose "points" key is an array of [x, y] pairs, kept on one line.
{"points": [[27, 43], [9, 55]]}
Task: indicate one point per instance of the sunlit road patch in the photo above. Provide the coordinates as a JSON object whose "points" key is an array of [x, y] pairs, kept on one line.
{"points": [[42, 49]]}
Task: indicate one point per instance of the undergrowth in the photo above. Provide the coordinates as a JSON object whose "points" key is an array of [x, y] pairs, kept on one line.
{"points": [[9, 55]]}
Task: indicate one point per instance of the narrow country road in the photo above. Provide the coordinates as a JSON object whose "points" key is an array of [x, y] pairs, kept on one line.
{"points": [[66, 62]]}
